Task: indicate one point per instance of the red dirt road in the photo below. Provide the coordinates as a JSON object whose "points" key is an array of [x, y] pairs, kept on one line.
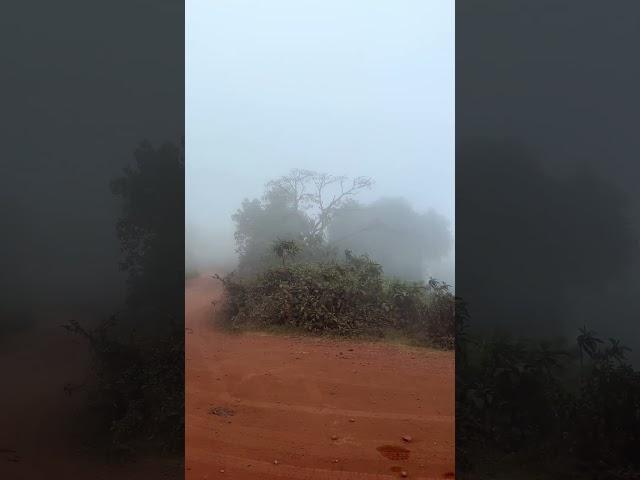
{"points": [[283, 407]]}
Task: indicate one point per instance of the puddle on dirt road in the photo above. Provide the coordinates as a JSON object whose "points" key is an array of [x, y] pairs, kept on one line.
{"points": [[222, 411], [393, 452]]}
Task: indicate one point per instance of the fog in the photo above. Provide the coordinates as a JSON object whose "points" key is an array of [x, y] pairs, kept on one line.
{"points": [[552, 217], [407, 244], [363, 88]]}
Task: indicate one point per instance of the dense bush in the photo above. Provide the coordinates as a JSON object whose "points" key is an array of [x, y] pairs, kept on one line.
{"points": [[349, 298], [424, 312], [560, 410]]}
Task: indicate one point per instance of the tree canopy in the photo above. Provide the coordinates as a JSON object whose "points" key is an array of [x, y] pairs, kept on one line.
{"points": [[320, 212], [296, 207], [402, 240]]}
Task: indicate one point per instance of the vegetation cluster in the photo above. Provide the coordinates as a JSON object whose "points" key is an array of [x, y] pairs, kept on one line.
{"points": [[292, 276], [342, 298], [137, 392], [562, 410]]}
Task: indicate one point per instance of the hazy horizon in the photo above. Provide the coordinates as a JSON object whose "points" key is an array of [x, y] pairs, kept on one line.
{"points": [[364, 88]]}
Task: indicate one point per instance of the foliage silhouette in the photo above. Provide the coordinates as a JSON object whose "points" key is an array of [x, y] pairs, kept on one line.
{"points": [[517, 403], [139, 355]]}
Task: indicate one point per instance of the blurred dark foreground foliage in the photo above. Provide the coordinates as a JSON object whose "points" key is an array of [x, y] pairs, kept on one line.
{"points": [[543, 409], [137, 390], [346, 298], [137, 387]]}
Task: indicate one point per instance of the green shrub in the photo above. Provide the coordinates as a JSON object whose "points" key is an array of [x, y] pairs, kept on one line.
{"points": [[350, 298], [424, 312]]}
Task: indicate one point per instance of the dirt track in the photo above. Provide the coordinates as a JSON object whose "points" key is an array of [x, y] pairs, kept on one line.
{"points": [[321, 409]]}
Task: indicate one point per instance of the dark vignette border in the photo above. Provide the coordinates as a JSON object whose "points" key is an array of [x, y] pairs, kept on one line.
{"points": [[93, 239], [548, 217]]}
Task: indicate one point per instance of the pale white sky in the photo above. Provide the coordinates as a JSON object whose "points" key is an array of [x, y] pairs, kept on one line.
{"points": [[353, 87]]}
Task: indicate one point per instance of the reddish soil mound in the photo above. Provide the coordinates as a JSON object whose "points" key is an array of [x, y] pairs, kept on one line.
{"points": [[276, 407]]}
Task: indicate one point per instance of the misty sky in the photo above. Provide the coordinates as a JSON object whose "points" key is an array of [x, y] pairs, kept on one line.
{"points": [[354, 88]]}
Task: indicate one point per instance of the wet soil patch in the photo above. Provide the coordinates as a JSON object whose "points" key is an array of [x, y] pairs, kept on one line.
{"points": [[222, 411], [394, 452]]}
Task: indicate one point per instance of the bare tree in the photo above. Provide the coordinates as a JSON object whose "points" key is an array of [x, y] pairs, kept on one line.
{"points": [[293, 187], [324, 184], [320, 195]]}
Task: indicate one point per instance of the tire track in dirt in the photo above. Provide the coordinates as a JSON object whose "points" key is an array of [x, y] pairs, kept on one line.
{"points": [[319, 408]]}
